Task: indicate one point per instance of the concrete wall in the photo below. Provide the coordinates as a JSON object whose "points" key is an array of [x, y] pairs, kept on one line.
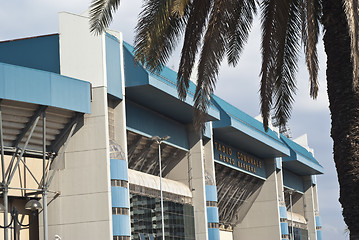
{"points": [[262, 219]]}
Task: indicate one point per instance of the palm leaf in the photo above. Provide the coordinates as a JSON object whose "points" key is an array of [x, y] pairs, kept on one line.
{"points": [[157, 32], [311, 15], [288, 26], [212, 53], [193, 34], [101, 14], [351, 10], [240, 23], [268, 58]]}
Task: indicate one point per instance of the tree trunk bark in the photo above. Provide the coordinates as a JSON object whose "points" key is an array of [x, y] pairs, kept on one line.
{"points": [[344, 108]]}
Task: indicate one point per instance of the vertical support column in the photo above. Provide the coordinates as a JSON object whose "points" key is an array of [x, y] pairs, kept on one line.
{"points": [[121, 224], [197, 176], [5, 189], [120, 203], [309, 207], [255, 224], [211, 189], [282, 207], [44, 194]]}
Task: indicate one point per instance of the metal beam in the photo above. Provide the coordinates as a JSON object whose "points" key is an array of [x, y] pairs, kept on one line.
{"points": [[28, 125], [56, 144], [2, 146], [133, 146], [32, 126], [59, 157]]}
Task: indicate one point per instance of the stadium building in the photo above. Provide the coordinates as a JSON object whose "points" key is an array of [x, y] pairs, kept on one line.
{"points": [[83, 131]]}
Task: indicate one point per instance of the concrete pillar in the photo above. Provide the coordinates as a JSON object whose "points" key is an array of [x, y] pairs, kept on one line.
{"points": [[83, 210], [309, 207], [197, 179], [255, 224], [211, 189]]}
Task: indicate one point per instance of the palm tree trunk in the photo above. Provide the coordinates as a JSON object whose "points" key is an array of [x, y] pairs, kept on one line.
{"points": [[344, 108]]}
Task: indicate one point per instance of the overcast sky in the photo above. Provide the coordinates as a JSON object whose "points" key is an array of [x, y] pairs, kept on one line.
{"points": [[239, 86]]}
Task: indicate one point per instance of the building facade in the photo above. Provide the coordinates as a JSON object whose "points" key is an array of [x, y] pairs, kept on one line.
{"points": [[82, 127]]}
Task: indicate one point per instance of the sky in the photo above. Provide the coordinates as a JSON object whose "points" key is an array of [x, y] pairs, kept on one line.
{"points": [[239, 86]]}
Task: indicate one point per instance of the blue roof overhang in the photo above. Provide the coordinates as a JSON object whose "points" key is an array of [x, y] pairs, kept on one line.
{"points": [[158, 91], [44, 88], [240, 130], [300, 160]]}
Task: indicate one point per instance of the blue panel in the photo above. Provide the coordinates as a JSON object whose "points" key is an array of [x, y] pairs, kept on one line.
{"points": [[211, 193], [212, 215], [300, 154], [318, 221], [238, 159], [67, 92], [282, 212], [113, 66], [278, 163], [38, 52], [314, 179], [292, 181], [121, 225], [134, 73], [119, 197], [213, 234], [208, 130], [319, 235], [119, 169], [45, 88], [153, 124], [284, 228]]}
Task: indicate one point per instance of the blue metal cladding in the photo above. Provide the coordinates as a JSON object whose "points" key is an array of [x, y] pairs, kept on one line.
{"points": [[121, 225], [282, 212], [284, 228], [293, 181], [45, 88], [119, 169], [151, 123], [212, 215], [120, 198], [113, 66], [213, 234], [212, 212], [40, 52], [278, 164], [319, 235], [211, 193], [318, 221]]}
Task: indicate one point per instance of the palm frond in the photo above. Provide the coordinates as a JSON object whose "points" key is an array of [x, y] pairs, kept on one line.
{"points": [[179, 7], [193, 34], [101, 14], [157, 33], [212, 53], [268, 58], [311, 14], [351, 11], [241, 18], [288, 28]]}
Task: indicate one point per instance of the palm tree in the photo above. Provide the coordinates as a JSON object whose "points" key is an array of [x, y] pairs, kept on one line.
{"points": [[215, 29]]}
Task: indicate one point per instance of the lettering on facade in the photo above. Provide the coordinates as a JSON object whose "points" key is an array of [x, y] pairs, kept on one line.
{"points": [[237, 158]]}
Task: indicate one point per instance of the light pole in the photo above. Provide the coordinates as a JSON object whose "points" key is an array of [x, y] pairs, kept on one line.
{"points": [[291, 211], [159, 140], [32, 205]]}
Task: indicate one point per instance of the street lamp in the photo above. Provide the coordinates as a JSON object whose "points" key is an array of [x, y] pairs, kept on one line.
{"points": [[159, 140], [290, 192], [32, 205]]}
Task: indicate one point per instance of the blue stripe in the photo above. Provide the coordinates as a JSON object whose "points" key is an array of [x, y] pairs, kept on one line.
{"points": [[319, 235], [121, 225], [282, 212], [119, 169], [213, 234], [318, 221], [212, 215], [284, 228], [120, 197], [211, 193]]}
